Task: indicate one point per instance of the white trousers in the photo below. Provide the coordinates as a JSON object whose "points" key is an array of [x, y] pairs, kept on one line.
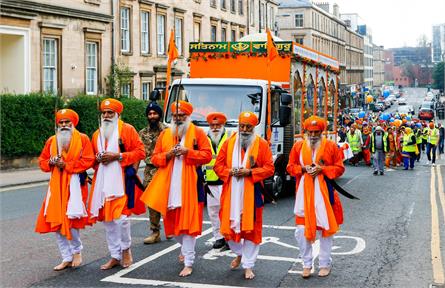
{"points": [[118, 236], [187, 248], [213, 206], [247, 250], [69, 247], [324, 257]]}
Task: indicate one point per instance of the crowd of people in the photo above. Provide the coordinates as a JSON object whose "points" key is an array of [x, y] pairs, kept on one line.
{"points": [[186, 167], [390, 140]]}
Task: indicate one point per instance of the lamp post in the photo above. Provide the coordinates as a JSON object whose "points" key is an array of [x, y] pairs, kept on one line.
{"points": [[443, 59]]}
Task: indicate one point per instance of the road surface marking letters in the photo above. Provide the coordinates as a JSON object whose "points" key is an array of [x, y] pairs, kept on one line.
{"points": [[214, 254], [436, 258]]}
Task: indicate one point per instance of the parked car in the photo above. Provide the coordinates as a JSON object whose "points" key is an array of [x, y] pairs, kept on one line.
{"points": [[402, 101], [429, 104], [388, 103], [426, 113], [391, 98], [354, 111], [381, 105]]}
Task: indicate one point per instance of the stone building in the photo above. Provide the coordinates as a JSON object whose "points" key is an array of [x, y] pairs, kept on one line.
{"points": [[46, 46], [313, 26], [379, 65]]}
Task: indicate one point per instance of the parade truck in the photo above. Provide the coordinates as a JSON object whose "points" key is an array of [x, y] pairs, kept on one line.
{"points": [[232, 77]]}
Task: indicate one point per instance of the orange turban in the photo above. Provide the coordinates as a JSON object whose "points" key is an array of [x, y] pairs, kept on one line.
{"points": [[183, 106], [67, 114], [112, 104], [248, 118], [431, 125], [216, 118], [314, 123]]}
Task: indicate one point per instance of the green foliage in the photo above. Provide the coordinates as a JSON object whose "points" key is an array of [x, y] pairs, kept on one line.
{"points": [[120, 74], [27, 121], [438, 76]]}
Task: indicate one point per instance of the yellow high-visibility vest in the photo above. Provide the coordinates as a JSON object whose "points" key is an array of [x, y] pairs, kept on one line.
{"points": [[210, 174]]}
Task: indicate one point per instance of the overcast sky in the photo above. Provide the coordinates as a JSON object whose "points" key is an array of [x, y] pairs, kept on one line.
{"points": [[396, 23]]}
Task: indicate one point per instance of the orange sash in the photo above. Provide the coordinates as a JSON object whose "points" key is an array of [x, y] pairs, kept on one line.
{"points": [[247, 218], [59, 187], [156, 194], [310, 221]]}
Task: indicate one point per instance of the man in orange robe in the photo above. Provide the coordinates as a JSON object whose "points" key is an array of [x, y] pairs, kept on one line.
{"points": [[114, 195], [317, 205], [66, 155], [243, 162], [175, 190]]}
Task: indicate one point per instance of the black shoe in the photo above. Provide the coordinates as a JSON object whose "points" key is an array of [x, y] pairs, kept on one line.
{"points": [[219, 243], [225, 247], [375, 173], [381, 173]]}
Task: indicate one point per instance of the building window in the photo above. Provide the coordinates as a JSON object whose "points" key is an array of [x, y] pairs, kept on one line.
{"points": [[50, 51], [91, 68], [252, 13], [299, 40], [145, 90], [271, 18], [213, 33], [125, 29], [178, 34], [241, 34], [213, 3], [145, 32], [161, 34], [240, 7], [233, 6], [197, 31], [298, 20], [125, 90], [233, 35], [223, 34], [223, 4]]}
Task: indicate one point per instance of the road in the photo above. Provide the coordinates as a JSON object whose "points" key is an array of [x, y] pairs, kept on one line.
{"points": [[392, 237]]}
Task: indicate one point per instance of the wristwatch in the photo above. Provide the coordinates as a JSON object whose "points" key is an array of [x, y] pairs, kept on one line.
{"points": [[120, 157]]}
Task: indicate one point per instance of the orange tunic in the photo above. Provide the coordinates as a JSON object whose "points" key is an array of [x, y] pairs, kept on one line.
{"points": [[79, 158], [186, 219], [331, 160], [252, 218], [134, 152]]}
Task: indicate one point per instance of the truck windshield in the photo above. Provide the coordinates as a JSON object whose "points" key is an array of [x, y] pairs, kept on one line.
{"points": [[230, 100]]}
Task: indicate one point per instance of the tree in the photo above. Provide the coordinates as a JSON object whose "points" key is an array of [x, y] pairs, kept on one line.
{"points": [[422, 41], [438, 76], [408, 70]]}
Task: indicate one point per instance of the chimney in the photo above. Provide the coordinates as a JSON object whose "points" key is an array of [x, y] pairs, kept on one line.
{"points": [[324, 6], [336, 11]]}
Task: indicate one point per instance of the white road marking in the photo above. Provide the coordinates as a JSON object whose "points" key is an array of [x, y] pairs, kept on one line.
{"points": [[436, 257], [23, 186]]}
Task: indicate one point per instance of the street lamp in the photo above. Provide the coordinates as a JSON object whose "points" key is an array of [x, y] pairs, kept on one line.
{"points": [[443, 59]]}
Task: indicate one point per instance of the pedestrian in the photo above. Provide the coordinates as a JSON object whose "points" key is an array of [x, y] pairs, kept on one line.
{"points": [[431, 146], [379, 147], [114, 195], [424, 136], [317, 205], [243, 162], [391, 155], [173, 191], [418, 133], [366, 138], [67, 155], [409, 149], [355, 143], [441, 137], [149, 135], [217, 136]]}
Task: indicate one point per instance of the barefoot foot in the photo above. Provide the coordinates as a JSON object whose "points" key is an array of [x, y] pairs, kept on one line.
{"points": [[77, 260], [186, 271], [127, 258], [248, 274], [110, 264], [181, 258], [62, 266], [235, 262]]}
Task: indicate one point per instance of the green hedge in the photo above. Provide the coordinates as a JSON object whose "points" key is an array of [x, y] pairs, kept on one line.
{"points": [[28, 120]]}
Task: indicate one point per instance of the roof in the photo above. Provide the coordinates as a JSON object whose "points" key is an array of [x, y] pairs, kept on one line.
{"points": [[294, 3]]}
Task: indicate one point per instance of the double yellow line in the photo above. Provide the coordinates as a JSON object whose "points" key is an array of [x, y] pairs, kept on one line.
{"points": [[438, 268]]}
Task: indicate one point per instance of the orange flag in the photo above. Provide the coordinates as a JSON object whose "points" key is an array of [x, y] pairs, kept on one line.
{"points": [[271, 48], [172, 55]]}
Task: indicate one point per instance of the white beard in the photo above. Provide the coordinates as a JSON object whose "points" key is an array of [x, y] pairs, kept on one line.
{"points": [[108, 126], [314, 144], [64, 138], [182, 128], [216, 136], [246, 140]]}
